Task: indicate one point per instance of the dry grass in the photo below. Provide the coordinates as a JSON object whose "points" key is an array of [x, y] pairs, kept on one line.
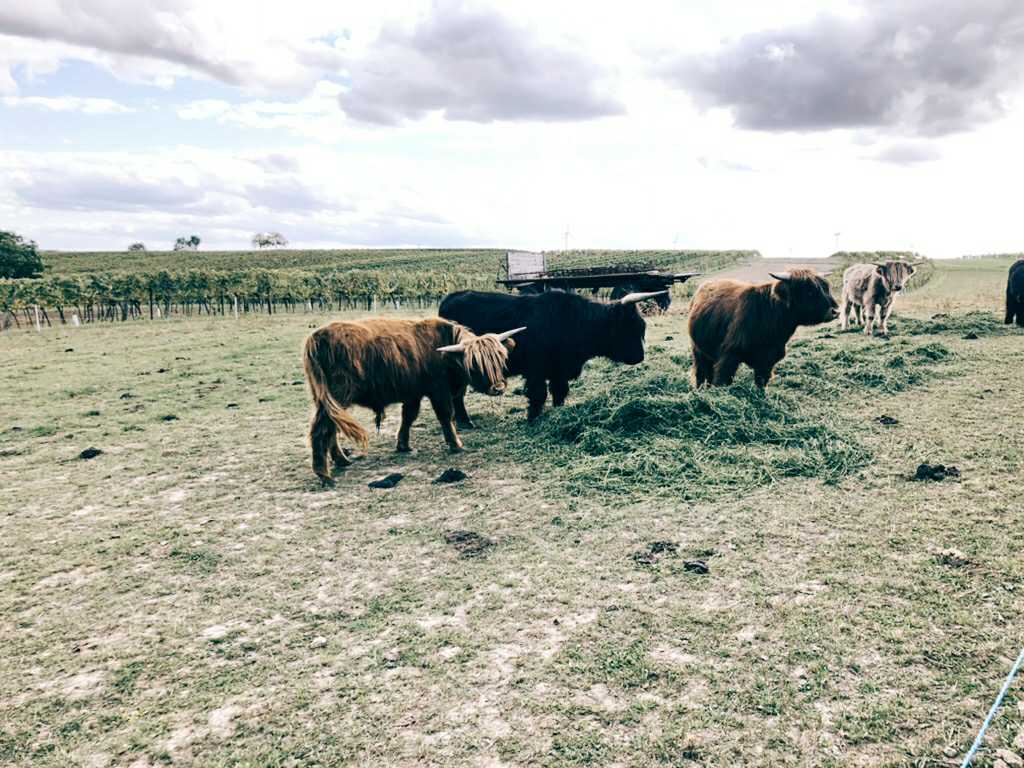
{"points": [[190, 597]]}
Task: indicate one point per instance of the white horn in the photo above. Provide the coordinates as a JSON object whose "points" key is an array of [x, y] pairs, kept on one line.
{"points": [[916, 263], [633, 298], [780, 276], [510, 334], [452, 348], [826, 274]]}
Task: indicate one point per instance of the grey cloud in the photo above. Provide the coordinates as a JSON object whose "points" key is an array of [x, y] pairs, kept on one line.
{"points": [[276, 162], [921, 67], [908, 154], [286, 194], [96, 191], [156, 29], [475, 65]]}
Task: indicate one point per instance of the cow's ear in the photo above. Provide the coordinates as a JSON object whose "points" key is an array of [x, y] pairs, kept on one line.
{"points": [[510, 344], [782, 290]]}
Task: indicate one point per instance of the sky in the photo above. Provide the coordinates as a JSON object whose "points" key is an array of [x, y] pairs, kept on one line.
{"points": [[794, 127]]}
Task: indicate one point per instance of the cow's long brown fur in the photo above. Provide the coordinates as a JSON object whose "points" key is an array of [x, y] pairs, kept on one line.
{"points": [[733, 322], [376, 363]]}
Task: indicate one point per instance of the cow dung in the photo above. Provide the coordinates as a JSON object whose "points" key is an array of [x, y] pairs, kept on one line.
{"points": [[887, 420], [468, 543], [169, 417], [971, 336], [696, 566], [89, 453], [935, 472], [451, 475], [70, 349], [953, 558], [388, 482], [649, 556]]}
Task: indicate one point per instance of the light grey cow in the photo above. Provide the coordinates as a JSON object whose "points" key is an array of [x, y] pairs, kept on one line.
{"points": [[868, 288]]}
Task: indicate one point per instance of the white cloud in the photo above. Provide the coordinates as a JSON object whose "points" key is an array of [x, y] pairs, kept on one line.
{"points": [[84, 104], [277, 151]]}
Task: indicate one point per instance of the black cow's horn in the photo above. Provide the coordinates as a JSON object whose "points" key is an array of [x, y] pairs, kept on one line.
{"points": [[633, 298], [783, 276], [510, 334]]}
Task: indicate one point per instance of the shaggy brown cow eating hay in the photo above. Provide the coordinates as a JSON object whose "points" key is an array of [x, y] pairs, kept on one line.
{"points": [[375, 363]]}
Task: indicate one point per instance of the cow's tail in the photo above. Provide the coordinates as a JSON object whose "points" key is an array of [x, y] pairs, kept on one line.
{"points": [[323, 398]]}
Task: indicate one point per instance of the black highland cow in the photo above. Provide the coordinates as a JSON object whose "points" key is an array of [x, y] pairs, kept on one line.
{"points": [[563, 331], [1015, 294]]}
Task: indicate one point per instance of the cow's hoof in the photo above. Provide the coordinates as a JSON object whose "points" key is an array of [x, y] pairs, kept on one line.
{"points": [[455, 449], [326, 482], [403, 449], [465, 424]]}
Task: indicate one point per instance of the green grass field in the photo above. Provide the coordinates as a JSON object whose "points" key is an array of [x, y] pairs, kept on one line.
{"points": [[191, 597], [476, 260]]}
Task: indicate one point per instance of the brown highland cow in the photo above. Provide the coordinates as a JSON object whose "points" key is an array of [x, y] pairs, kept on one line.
{"points": [[733, 322], [375, 363]]}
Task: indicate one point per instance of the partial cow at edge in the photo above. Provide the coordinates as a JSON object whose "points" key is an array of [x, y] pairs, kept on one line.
{"points": [[376, 363], [869, 290], [1015, 294], [564, 331], [732, 322]]}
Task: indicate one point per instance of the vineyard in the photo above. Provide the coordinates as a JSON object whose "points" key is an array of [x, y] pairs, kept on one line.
{"points": [[92, 287]]}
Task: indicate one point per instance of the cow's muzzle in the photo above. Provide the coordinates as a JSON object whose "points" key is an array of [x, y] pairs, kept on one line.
{"points": [[496, 389]]}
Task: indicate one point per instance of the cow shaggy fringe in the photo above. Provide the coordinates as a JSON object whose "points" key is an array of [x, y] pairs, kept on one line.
{"points": [[483, 354]]}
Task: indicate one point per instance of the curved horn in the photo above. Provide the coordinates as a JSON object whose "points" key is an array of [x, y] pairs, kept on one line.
{"points": [[783, 276], [633, 298], [826, 274], [452, 348], [510, 334], [917, 263]]}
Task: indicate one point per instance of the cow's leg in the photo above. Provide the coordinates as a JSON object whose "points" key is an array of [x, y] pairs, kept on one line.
{"points": [[1014, 309], [764, 367], [869, 318], [461, 415], [725, 369], [886, 310], [858, 311], [322, 435], [845, 305], [559, 391], [442, 404], [763, 375], [703, 368], [410, 410], [536, 393]]}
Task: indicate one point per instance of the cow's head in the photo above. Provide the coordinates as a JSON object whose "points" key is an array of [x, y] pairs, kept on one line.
{"points": [[625, 340], [807, 294], [896, 273], [482, 358]]}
